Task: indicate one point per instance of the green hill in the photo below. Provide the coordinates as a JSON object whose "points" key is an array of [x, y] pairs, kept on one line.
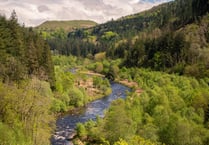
{"points": [[66, 25], [59, 29]]}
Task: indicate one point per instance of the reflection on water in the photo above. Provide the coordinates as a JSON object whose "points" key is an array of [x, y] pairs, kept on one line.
{"points": [[66, 124]]}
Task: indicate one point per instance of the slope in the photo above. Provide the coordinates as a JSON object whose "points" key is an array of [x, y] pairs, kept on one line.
{"points": [[66, 25], [26, 69], [59, 29], [171, 37]]}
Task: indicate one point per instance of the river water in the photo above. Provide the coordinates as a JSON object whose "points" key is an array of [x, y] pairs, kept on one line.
{"points": [[65, 125]]}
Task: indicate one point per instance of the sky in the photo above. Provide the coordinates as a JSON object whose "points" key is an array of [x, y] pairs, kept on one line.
{"points": [[35, 12]]}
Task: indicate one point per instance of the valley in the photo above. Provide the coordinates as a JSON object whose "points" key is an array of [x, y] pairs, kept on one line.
{"points": [[138, 79]]}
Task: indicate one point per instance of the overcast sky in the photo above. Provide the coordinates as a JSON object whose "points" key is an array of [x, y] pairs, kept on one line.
{"points": [[34, 12]]}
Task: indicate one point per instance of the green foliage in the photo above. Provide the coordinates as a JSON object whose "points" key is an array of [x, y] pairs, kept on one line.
{"points": [[108, 36], [64, 80], [99, 67], [137, 140], [59, 105], [65, 94], [173, 107], [64, 61], [12, 136], [101, 83], [121, 142], [25, 113], [171, 37], [125, 126], [23, 53], [73, 87], [113, 72], [77, 97], [100, 56], [81, 130], [26, 80], [171, 110]]}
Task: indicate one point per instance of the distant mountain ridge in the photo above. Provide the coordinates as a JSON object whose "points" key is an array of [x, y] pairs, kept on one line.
{"points": [[67, 26]]}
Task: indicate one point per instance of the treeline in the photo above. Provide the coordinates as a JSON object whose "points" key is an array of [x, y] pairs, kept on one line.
{"points": [[172, 37], [26, 80], [171, 110], [73, 46], [170, 52], [23, 53]]}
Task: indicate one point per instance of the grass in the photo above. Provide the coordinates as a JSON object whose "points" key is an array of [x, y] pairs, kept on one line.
{"points": [[66, 25]]}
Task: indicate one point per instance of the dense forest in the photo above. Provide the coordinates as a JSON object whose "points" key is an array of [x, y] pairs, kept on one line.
{"points": [[171, 110], [35, 87], [172, 37], [26, 80], [23, 53]]}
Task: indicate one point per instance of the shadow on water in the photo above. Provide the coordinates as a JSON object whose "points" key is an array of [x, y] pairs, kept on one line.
{"points": [[65, 125]]}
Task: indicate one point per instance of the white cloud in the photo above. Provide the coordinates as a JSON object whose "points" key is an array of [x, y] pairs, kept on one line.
{"points": [[134, 1], [34, 12]]}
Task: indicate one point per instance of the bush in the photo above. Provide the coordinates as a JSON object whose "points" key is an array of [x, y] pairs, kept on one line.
{"points": [[58, 106], [99, 67], [81, 130], [76, 97]]}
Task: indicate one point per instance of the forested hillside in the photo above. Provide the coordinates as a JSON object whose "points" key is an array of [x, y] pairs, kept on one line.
{"points": [[36, 87], [171, 110], [26, 79], [23, 53], [172, 37]]}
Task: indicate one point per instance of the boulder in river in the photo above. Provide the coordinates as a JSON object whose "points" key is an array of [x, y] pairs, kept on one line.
{"points": [[71, 136]]}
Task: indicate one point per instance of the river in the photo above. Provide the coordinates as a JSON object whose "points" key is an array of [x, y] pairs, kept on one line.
{"points": [[66, 124]]}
